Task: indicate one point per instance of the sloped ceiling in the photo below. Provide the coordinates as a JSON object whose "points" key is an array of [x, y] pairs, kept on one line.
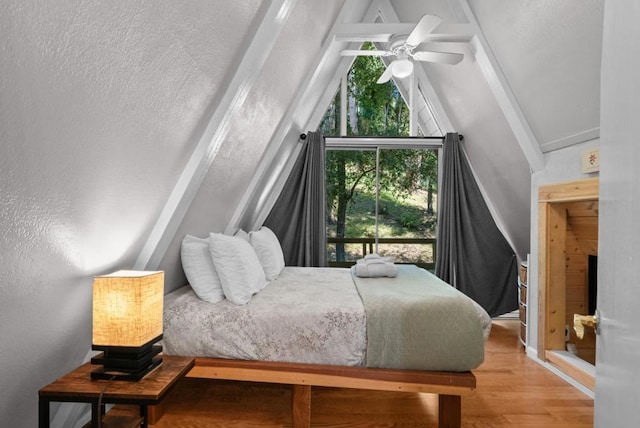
{"points": [[489, 124], [550, 52], [263, 118], [549, 55], [529, 84]]}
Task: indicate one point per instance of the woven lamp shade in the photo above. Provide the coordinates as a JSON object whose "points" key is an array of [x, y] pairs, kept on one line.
{"points": [[127, 308]]}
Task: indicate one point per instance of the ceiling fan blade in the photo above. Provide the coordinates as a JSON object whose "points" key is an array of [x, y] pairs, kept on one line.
{"points": [[386, 76], [423, 28], [348, 52], [440, 57]]}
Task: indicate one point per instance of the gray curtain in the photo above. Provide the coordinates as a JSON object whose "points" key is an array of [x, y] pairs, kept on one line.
{"points": [[298, 216], [473, 255]]}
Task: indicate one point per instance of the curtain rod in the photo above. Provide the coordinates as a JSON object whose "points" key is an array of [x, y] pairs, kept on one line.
{"points": [[304, 136]]}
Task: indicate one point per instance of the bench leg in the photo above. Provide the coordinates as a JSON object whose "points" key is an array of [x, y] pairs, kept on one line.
{"points": [[301, 406], [449, 411]]}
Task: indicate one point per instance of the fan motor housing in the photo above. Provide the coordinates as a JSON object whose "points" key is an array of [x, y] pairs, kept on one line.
{"points": [[398, 45]]}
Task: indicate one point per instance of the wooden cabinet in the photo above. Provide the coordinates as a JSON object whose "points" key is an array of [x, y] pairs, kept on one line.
{"points": [[522, 301]]}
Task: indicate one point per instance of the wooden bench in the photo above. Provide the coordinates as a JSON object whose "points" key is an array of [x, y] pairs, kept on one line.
{"points": [[449, 386]]}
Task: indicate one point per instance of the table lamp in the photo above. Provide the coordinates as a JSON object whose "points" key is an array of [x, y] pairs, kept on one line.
{"points": [[127, 322]]}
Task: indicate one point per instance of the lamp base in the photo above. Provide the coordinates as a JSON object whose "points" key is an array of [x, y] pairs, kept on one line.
{"points": [[111, 374], [130, 363]]}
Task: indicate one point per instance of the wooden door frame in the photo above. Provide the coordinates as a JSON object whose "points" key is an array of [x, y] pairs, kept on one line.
{"points": [[552, 221]]}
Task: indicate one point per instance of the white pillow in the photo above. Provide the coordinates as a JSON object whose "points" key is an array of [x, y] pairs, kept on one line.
{"points": [[238, 267], [199, 269], [267, 247]]}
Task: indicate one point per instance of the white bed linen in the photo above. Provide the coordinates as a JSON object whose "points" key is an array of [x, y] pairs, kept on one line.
{"points": [[306, 315]]}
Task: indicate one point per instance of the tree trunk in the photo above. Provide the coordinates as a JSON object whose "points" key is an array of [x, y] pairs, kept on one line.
{"points": [[430, 199], [353, 115]]}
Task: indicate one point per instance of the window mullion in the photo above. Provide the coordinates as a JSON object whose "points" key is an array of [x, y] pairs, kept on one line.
{"points": [[343, 104], [376, 236]]}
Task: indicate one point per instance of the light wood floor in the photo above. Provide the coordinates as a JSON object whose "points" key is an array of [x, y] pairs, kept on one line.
{"points": [[512, 391]]}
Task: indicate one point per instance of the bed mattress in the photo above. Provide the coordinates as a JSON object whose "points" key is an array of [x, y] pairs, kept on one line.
{"points": [[306, 315], [317, 315]]}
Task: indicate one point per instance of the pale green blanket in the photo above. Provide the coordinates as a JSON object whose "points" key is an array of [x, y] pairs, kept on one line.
{"points": [[417, 321]]}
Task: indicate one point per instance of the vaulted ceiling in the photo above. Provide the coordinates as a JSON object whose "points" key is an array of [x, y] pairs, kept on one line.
{"points": [[189, 112], [528, 85]]}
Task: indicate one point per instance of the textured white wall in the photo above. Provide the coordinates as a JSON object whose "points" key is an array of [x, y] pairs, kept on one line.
{"points": [[295, 54], [100, 106], [550, 54]]}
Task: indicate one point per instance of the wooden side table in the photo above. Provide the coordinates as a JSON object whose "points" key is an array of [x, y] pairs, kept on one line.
{"points": [[78, 387]]}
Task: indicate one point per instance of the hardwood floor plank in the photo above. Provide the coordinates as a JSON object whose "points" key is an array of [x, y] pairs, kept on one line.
{"points": [[512, 391]]}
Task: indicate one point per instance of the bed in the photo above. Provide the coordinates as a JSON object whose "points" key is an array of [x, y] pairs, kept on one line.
{"points": [[328, 327]]}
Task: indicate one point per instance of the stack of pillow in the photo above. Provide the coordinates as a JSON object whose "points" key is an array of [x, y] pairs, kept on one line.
{"points": [[232, 267]]}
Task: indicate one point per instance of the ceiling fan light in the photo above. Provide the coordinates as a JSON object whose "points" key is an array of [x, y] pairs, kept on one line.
{"points": [[402, 68]]}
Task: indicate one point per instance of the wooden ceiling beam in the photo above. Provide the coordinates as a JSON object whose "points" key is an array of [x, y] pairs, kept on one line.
{"points": [[382, 33]]}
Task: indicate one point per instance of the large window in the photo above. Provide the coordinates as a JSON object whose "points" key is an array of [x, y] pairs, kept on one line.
{"points": [[381, 196]]}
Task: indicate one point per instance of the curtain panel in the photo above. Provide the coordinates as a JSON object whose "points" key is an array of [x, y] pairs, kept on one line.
{"points": [[472, 254], [298, 216]]}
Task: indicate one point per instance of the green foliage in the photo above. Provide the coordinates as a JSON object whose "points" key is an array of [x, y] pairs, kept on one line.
{"points": [[379, 109], [410, 220], [330, 125], [403, 171], [398, 217]]}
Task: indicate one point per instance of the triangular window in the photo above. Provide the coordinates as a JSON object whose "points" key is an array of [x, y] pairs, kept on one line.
{"points": [[372, 109]]}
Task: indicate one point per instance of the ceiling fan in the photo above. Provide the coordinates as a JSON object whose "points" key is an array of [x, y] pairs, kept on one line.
{"points": [[402, 47]]}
